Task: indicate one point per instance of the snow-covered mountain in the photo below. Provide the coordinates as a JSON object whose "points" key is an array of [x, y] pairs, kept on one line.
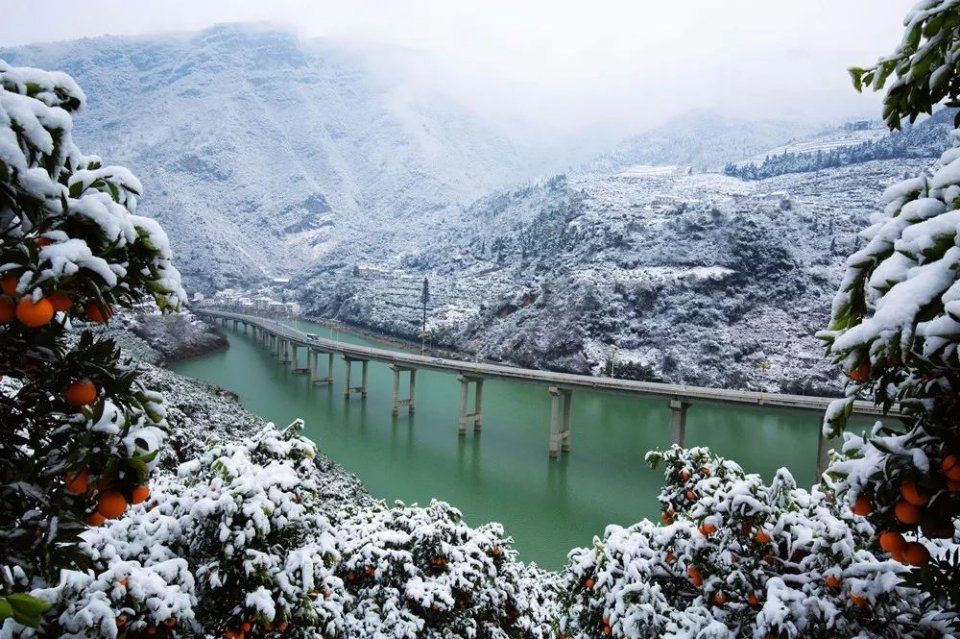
{"points": [[260, 152], [703, 139]]}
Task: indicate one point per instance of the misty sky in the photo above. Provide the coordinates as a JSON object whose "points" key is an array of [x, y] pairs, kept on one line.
{"points": [[568, 64]]}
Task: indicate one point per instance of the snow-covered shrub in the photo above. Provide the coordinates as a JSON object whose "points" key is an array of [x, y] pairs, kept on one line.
{"points": [[422, 572], [895, 328], [78, 433], [740, 558]]}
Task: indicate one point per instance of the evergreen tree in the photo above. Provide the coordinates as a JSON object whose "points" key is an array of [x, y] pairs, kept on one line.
{"points": [[895, 329], [78, 432]]}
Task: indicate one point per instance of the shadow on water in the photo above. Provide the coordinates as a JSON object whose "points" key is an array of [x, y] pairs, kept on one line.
{"points": [[502, 473]]}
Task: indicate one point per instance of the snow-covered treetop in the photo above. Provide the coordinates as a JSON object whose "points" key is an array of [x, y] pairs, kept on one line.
{"points": [[925, 63], [80, 214]]}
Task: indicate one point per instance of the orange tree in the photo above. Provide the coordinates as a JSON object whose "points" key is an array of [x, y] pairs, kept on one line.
{"points": [[895, 327], [78, 433]]}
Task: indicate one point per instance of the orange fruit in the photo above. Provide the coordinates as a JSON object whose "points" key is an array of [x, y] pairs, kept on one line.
{"points": [[43, 241], [589, 583], [97, 314], [121, 621], [245, 626], [753, 599], [695, 577], [606, 620], [720, 598], [60, 301], [607, 630], [112, 504], [858, 600], [706, 529], [94, 519], [670, 558], [949, 462], [80, 393], [684, 475], [862, 507], [170, 623], [907, 513], [832, 581], [861, 373], [691, 495], [140, 494], [953, 473], [909, 492], [892, 541], [282, 627], [762, 537], [8, 310], [77, 483], [8, 284], [34, 314], [915, 554]]}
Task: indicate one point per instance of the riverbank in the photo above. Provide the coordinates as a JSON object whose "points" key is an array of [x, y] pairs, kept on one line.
{"points": [[199, 414], [173, 336]]}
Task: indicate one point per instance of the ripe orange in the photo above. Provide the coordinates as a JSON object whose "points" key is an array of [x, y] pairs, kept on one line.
{"points": [[762, 537], [121, 621], [112, 504], [97, 314], [245, 626], [670, 557], [60, 301], [607, 630], [94, 519], [915, 554], [8, 310], [8, 284], [692, 496], [684, 475], [862, 507], [34, 314], [80, 393], [892, 541], [753, 599], [606, 620], [77, 483], [949, 462], [706, 529], [170, 622], [861, 373], [720, 598], [43, 241], [140, 494], [907, 513], [909, 492], [705, 470], [953, 473], [858, 600], [695, 578], [589, 583], [832, 581]]}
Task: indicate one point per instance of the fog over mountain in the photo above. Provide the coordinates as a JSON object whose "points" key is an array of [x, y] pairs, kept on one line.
{"points": [[266, 155]]}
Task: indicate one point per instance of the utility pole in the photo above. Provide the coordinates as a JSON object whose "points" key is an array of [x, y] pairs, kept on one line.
{"points": [[424, 299]]}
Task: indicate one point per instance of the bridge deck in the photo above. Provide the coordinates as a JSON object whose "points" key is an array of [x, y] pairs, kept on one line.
{"points": [[686, 394]]}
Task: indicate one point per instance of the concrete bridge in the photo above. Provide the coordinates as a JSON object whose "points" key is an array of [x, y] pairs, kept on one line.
{"points": [[286, 342]]}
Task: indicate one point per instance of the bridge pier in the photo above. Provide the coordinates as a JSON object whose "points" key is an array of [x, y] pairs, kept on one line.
{"points": [[362, 388], [476, 415], [678, 421], [409, 401], [313, 364], [559, 420]]}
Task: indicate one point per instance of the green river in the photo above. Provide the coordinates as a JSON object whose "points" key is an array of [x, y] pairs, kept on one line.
{"points": [[503, 473]]}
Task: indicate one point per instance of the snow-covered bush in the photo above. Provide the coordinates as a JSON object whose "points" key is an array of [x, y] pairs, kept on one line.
{"points": [[78, 432], [422, 572], [895, 328], [740, 558]]}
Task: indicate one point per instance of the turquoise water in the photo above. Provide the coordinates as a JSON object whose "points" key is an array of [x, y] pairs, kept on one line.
{"points": [[503, 473]]}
